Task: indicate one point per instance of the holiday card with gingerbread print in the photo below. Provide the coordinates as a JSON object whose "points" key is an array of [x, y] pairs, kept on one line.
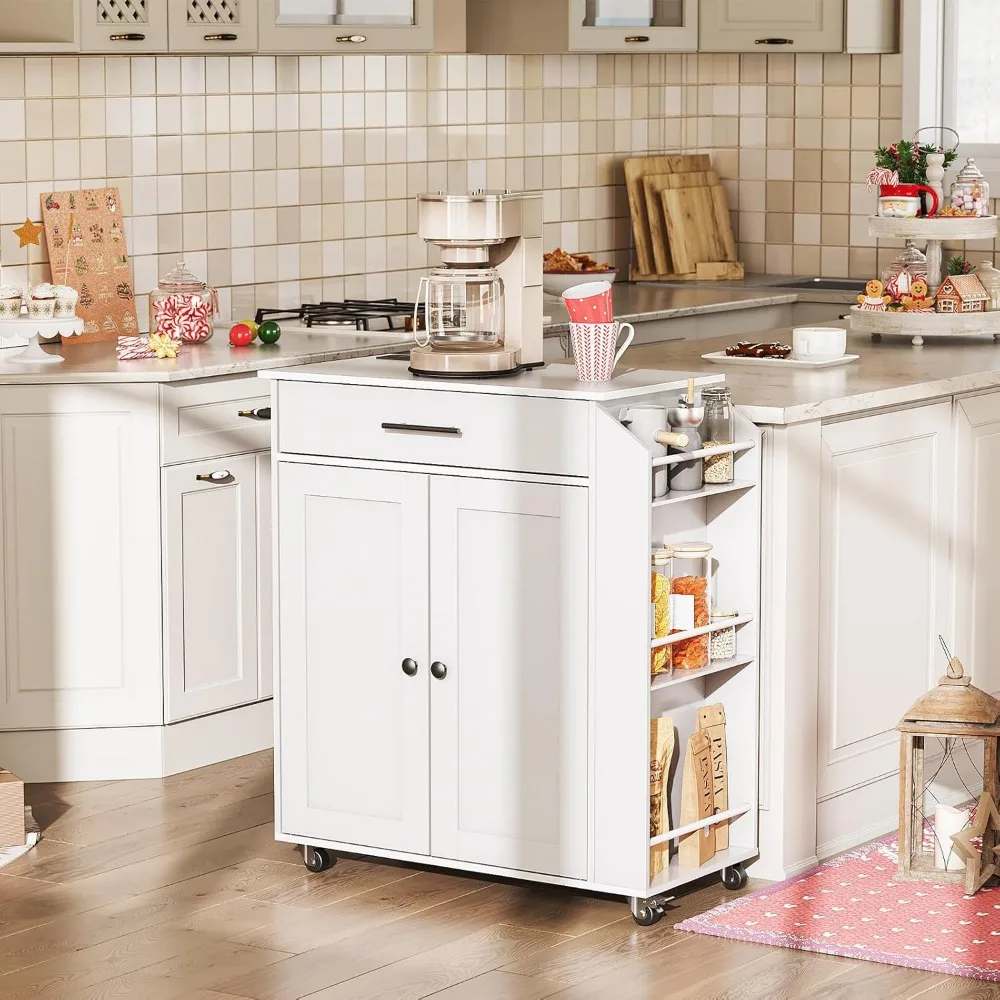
{"points": [[85, 234]]}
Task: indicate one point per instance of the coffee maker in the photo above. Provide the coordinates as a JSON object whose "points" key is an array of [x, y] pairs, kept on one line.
{"points": [[480, 313]]}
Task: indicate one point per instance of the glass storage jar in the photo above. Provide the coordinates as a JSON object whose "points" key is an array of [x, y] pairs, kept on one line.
{"points": [[659, 596], [970, 190], [182, 307], [722, 645], [690, 575], [717, 429]]}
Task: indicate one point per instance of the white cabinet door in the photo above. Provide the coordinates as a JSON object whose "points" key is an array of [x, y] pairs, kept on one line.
{"points": [[80, 619], [213, 26], [885, 594], [265, 580], [771, 25], [353, 715], [671, 26], [346, 26], [977, 533], [210, 585], [41, 26], [123, 26], [509, 624]]}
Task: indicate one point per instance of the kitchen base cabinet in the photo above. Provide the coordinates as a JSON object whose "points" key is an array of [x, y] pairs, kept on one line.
{"points": [[464, 626]]}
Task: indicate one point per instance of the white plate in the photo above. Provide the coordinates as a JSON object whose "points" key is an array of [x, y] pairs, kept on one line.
{"points": [[721, 358]]}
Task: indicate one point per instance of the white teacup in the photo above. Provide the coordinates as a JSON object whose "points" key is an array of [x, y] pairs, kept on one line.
{"points": [[819, 343]]}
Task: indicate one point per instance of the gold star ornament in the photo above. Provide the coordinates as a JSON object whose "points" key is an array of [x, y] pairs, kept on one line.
{"points": [[28, 233], [978, 871]]}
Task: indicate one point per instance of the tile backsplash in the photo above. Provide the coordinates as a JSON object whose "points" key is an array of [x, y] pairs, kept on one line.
{"points": [[290, 178]]}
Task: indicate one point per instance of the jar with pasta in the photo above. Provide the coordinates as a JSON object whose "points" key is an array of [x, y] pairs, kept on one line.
{"points": [[718, 430], [690, 575], [659, 597]]}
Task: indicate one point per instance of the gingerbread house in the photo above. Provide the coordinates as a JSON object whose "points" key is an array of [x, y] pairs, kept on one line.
{"points": [[961, 293]]}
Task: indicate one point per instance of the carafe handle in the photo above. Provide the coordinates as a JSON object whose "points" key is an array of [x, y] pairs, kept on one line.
{"points": [[424, 282]]}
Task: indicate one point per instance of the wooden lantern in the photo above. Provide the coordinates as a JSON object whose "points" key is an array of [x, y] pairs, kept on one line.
{"points": [[953, 731]]}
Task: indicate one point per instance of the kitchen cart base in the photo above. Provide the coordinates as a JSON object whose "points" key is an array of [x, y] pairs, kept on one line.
{"points": [[646, 912], [317, 859]]}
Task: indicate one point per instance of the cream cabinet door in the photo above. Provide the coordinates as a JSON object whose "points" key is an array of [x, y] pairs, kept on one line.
{"points": [[80, 578], [39, 26], [352, 672], [885, 591], [210, 585], [592, 27], [346, 26], [771, 25], [509, 687], [215, 27], [123, 26]]}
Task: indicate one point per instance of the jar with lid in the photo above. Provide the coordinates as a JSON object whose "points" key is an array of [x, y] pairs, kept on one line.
{"points": [[716, 430], [970, 191], [182, 306], [685, 418], [690, 573], [722, 645], [659, 596]]}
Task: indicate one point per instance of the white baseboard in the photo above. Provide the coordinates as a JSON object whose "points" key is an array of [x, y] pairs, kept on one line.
{"points": [[137, 751]]}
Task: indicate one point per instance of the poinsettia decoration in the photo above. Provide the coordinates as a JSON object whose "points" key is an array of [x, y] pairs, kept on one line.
{"points": [[909, 159]]}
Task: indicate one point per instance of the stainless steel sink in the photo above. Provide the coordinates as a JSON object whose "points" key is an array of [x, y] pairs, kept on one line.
{"points": [[824, 284]]}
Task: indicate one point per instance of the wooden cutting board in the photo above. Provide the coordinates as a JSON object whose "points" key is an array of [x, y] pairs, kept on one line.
{"points": [[636, 168], [691, 228], [723, 220], [653, 184]]}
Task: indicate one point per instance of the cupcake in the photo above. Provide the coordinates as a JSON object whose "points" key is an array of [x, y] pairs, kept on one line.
{"points": [[10, 301], [42, 303], [65, 301]]}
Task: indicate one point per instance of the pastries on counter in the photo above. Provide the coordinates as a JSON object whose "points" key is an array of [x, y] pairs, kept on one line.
{"points": [[746, 349], [561, 262]]}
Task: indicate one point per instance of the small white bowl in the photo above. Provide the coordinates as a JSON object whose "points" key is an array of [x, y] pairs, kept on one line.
{"points": [[556, 284]]}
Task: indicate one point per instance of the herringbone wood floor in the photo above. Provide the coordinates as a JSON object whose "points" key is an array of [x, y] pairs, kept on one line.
{"points": [[175, 890]]}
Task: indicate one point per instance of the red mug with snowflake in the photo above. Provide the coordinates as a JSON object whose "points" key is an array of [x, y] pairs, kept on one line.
{"points": [[590, 302]]}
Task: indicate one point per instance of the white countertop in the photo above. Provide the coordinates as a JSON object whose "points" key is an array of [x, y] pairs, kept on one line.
{"points": [[554, 381]]}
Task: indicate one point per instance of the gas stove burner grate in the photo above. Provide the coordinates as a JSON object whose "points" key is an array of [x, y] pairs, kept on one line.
{"points": [[363, 314]]}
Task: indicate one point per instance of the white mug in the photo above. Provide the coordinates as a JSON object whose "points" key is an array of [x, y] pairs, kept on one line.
{"points": [[594, 349], [818, 343], [645, 420]]}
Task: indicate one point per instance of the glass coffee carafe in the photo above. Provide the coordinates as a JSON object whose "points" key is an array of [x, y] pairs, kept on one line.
{"points": [[463, 308]]}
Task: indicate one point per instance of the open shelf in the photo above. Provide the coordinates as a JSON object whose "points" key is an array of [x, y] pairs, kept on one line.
{"points": [[717, 626], [678, 496], [934, 227], [674, 874], [714, 820], [676, 457], [661, 681]]}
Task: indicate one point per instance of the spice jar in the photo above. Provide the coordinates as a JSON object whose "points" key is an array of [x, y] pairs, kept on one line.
{"points": [[716, 430], [182, 307], [690, 572], [970, 191], [723, 642], [659, 595]]}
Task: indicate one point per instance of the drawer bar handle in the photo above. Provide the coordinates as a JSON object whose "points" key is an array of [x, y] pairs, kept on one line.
{"points": [[637, 38], [220, 478], [353, 39], [131, 36], [225, 37], [422, 429], [261, 413], [775, 41]]}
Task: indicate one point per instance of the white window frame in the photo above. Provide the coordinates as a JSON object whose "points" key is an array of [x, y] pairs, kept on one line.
{"points": [[928, 91]]}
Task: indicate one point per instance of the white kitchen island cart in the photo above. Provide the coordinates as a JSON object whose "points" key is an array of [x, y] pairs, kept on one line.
{"points": [[464, 626]]}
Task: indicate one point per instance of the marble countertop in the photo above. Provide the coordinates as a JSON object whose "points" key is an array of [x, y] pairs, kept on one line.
{"points": [[97, 362], [890, 373]]}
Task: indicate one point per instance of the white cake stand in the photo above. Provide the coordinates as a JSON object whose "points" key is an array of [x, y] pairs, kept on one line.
{"points": [[31, 329]]}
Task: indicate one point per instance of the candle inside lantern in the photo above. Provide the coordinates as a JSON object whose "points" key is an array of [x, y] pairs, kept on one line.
{"points": [[948, 820]]}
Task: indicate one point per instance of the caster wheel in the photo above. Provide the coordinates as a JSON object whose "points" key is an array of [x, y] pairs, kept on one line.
{"points": [[734, 878], [646, 916], [876, 338], [318, 859]]}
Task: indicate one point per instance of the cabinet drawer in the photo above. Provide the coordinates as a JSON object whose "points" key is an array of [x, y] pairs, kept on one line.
{"points": [[515, 433], [202, 419]]}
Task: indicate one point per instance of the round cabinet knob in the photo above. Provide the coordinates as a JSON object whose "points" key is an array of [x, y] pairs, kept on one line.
{"points": [[438, 670], [409, 667]]}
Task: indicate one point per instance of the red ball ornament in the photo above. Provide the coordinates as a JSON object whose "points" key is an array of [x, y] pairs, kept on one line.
{"points": [[240, 335]]}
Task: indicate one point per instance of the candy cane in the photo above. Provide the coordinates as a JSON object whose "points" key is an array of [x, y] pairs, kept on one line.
{"points": [[882, 175]]}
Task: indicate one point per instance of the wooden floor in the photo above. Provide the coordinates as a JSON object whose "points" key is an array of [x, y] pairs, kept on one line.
{"points": [[175, 890]]}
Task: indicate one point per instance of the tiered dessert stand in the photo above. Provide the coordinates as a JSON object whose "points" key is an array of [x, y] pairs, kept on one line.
{"points": [[31, 329], [918, 325]]}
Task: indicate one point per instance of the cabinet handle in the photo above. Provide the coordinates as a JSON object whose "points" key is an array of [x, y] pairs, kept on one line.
{"points": [[438, 670], [226, 37], [261, 413], [410, 667], [220, 478], [421, 428], [355, 39], [637, 38], [131, 36], [775, 41]]}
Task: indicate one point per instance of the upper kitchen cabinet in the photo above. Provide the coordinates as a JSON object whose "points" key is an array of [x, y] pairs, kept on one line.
{"points": [[40, 26], [799, 25], [214, 26], [123, 26], [549, 26], [362, 26]]}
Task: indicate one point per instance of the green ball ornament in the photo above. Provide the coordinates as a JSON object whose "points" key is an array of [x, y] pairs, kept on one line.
{"points": [[269, 332]]}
